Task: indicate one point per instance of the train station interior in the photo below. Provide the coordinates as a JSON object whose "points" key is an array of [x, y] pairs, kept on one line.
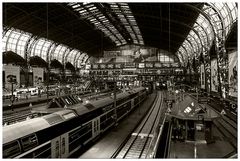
{"points": [[120, 80]]}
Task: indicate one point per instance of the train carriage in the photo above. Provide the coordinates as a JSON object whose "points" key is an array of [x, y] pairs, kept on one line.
{"points": [[60, 134]]}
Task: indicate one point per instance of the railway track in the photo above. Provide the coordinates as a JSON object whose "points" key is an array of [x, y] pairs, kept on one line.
{"points": [[137, 146], [228, 129]]}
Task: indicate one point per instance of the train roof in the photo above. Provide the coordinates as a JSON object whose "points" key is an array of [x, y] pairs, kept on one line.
{"points": [[94, 104], [138, 89], [66, 114], [80, 109], [20, 129], [122, 95], [101, 102]]}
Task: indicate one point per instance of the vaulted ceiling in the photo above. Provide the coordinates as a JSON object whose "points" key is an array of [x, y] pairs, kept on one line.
{"points": [[161, 25]]}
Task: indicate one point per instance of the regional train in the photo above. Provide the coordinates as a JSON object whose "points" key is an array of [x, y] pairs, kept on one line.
{"points": [[60, 134]]}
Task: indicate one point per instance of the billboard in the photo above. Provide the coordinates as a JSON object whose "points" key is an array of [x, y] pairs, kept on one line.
{"points": [[12, 72], [232, 73], [37, 76], [214, 76], [202, 77], [134, 54]]}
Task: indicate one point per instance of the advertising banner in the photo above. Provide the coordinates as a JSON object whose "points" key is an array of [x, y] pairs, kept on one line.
{"points": [[214, 76], [202, 77], [37, 76], [14, 73], [134, 54], [232, 75]]}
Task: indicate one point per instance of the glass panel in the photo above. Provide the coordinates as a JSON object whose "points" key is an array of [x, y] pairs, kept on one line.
{"points": [[228, 12], [126, 17], [94, 16], [16, 41]]}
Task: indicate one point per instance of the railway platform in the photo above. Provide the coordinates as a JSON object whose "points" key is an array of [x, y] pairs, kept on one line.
{"points": [[109, 143], [221, 142]]}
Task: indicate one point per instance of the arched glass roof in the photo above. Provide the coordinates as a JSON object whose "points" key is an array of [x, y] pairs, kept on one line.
{"points": [[22, 43], [220, 18], [15, 40]]}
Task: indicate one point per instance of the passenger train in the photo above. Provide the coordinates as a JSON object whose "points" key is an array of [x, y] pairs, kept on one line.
{"points": [[60, 134]]}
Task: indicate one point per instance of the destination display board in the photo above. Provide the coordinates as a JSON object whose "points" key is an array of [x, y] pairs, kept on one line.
{"points": [[129, 65], [141, 65], [149, 65], [103, 66], [95, 66], [157, 65], [118, 66], [110, 66]]}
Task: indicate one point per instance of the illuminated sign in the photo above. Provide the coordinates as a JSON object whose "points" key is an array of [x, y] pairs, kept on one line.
{"points": [[158, 65], [88, 66], [149, 65], [129, 65], [95, 66], [102, 66], [141, 65], [110, 66], [118, 66]]}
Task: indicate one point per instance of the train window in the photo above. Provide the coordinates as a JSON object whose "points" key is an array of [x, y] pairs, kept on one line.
{"points": [[29, 142], [11, 149], [57, 149], [63, 145]]}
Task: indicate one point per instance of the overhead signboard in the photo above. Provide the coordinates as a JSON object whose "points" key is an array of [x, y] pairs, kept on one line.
{"points": [[149, 65], [110, 66], [118, 66], [157, 65], [141, 65], [129, 65], [103, 66], [88, 66], [95, 66]]}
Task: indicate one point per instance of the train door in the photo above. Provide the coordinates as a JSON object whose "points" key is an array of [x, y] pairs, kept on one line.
{"points": [[95, 127], [60, 146]]}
